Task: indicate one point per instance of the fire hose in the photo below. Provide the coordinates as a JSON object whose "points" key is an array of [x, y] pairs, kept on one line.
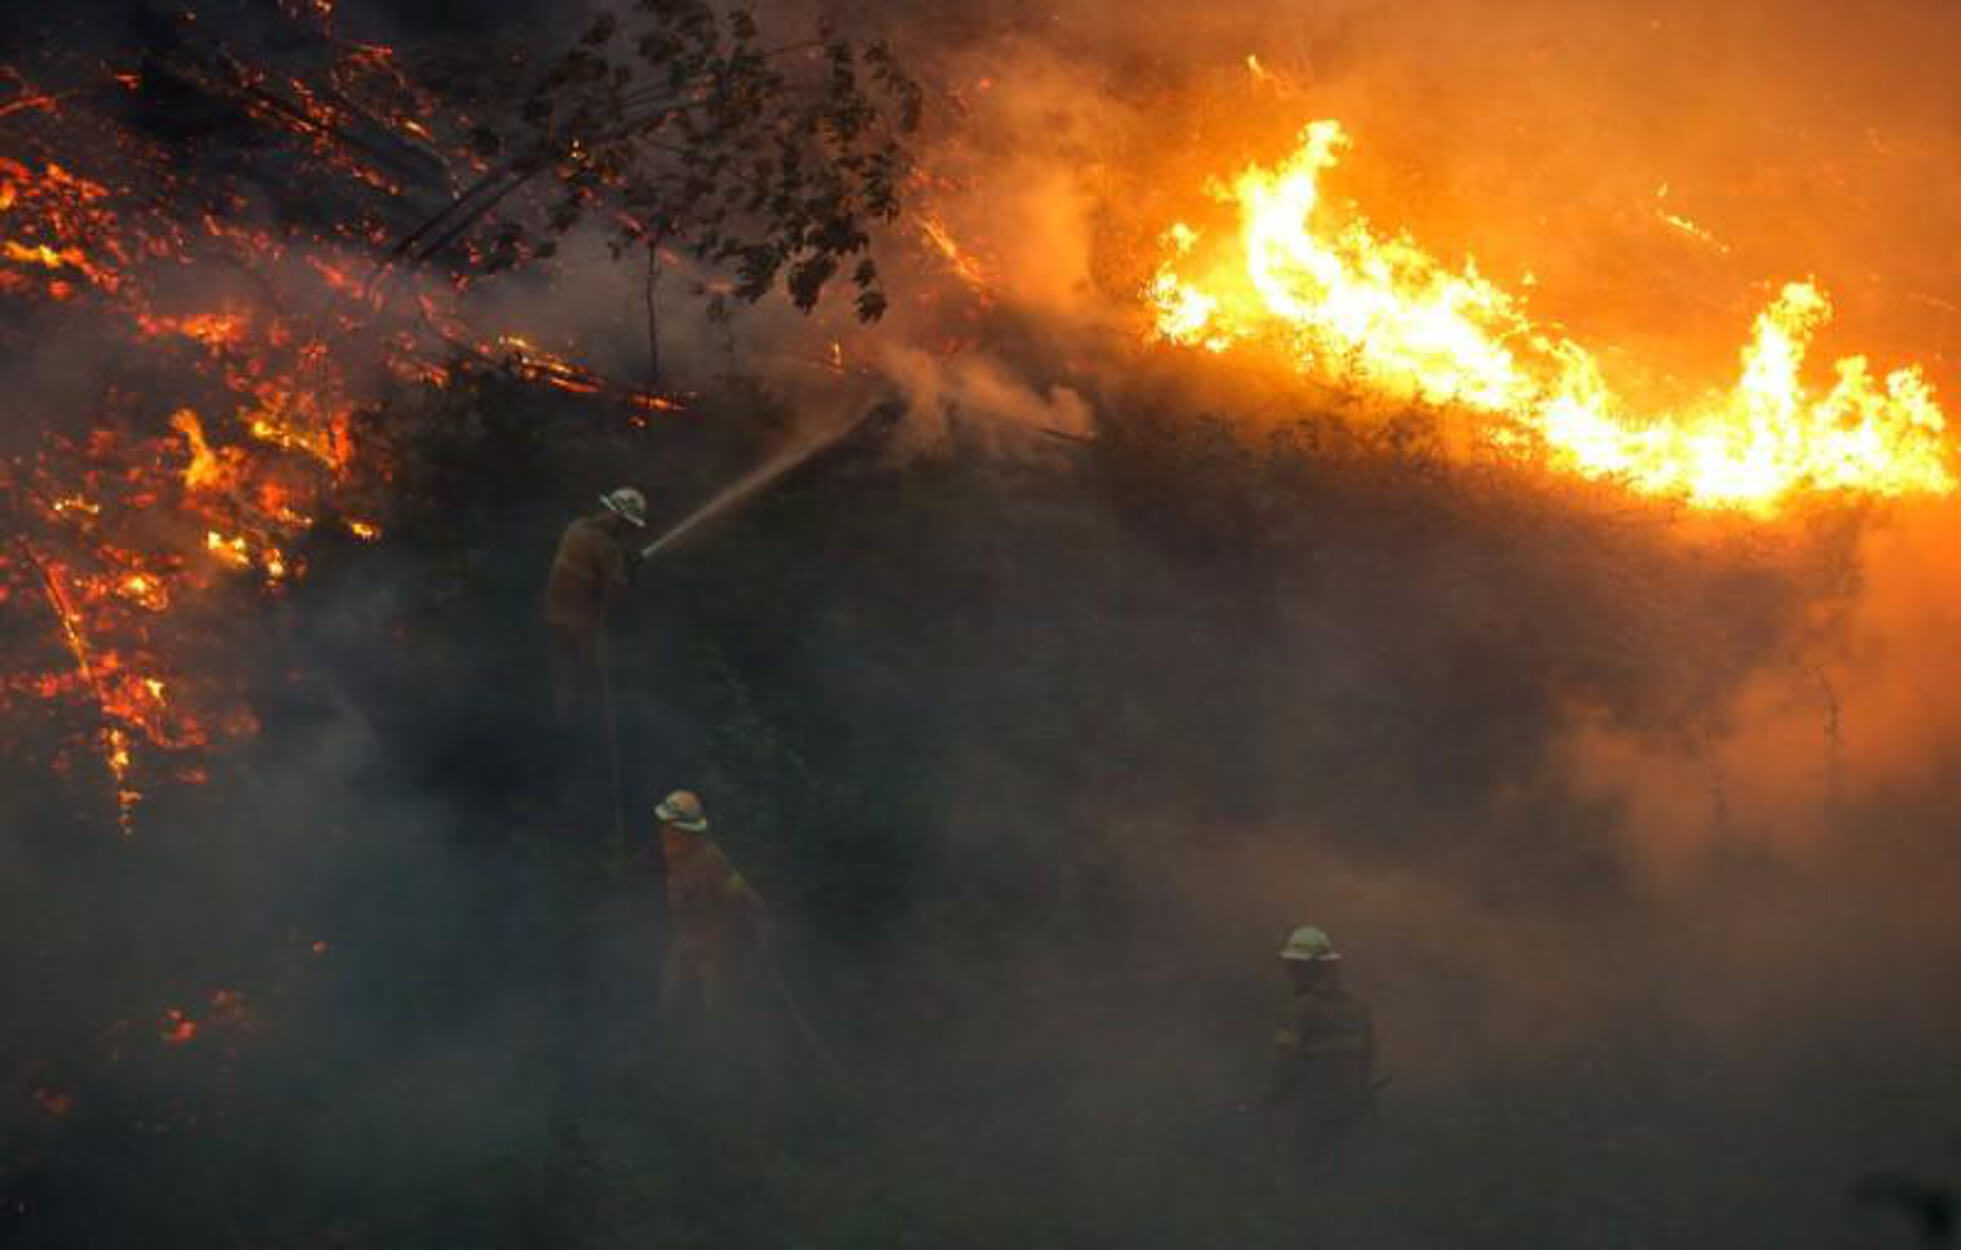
{"points": [[612, 729]]}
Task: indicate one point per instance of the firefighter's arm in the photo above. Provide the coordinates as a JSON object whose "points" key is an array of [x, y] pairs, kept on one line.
{"points": [[737, 887]]}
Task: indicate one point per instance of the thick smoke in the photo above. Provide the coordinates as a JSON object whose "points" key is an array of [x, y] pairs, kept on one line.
{"points": [[1705, 893]]}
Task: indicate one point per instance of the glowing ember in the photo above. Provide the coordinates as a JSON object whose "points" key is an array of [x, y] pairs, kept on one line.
{"points": [[145, 590], [206, 471], [1677, 222], [217, 331], [177, 1028], [1339, 301], [964, 264], [535, 364], [232, 551]]}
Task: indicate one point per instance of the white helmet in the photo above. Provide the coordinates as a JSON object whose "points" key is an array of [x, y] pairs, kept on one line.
{"points": [[1308, 944], [627, 502]]}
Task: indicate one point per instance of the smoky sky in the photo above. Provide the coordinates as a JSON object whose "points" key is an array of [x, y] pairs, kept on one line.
{"points": [[1543, 140]]}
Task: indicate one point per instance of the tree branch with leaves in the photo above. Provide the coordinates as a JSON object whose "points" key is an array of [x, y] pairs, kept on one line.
{"points": [[679, 128]]}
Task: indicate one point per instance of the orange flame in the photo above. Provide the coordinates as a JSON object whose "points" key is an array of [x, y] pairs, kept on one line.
{"points": [[207, 470], [1341, 302], [966, 266]]}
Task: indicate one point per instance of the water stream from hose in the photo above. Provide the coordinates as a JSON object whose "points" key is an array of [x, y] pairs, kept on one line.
{"points": [[746, 487]]}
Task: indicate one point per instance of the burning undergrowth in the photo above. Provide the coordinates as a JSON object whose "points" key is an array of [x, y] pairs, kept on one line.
{"points": [[195, 422], [230, 260], [1378, 314], [221, 331]]}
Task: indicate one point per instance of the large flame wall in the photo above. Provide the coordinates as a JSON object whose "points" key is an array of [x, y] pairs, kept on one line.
{"points": [[1341, 300]]}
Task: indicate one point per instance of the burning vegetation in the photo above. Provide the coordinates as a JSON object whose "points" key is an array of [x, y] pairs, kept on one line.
{"points": [[242, 347], [1329, 294]]}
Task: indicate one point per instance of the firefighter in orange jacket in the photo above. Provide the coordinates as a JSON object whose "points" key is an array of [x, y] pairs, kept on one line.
{"points": [[587, 583], [717, 924]]}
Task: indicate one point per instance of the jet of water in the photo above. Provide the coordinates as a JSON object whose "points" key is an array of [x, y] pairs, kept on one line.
{"points": [[753, 482]]}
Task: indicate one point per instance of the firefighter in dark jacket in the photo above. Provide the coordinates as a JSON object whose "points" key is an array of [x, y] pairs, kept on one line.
{"points": [[1323, 1063]]}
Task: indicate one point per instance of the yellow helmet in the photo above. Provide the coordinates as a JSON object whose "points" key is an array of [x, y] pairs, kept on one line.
{"points": [[1308, 944], [683, 810]]}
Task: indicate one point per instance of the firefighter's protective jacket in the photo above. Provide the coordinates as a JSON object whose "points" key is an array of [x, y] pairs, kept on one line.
{"points": [[1323, 1058], [709, 904], [588, 577]]}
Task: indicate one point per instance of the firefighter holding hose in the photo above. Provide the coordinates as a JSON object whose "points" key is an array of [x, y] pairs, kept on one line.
{"points": [[721, 966], [718, 927], [583, 593], [587, 584]]}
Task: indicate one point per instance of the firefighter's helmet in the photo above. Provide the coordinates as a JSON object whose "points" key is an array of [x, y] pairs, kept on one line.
{"points": [[628, 503], [682, 809], [1308, 944]]}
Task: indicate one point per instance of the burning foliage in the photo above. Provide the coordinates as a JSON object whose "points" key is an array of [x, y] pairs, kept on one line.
{"points": [[1328, 294], [241, 347]]}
